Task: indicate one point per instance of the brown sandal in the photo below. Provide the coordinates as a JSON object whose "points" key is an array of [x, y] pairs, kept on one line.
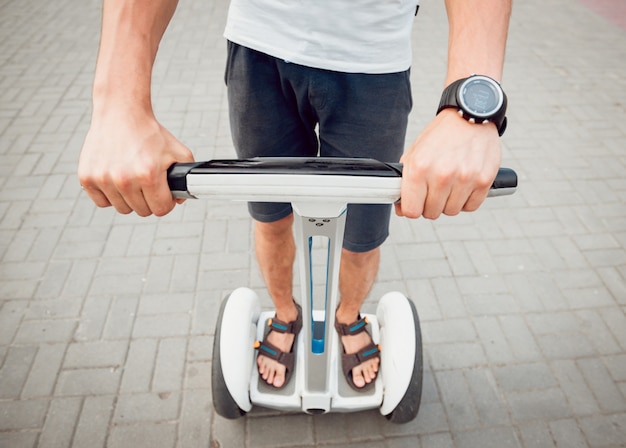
{"points": [[269, 350], [350, 361]]}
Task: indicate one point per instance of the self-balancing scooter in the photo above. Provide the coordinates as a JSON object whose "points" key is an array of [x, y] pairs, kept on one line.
{"points": [[319, 190]]}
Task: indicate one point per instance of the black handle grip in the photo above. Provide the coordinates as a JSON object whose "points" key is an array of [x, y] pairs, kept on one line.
{"points": [[505, 179], [177, 178]]}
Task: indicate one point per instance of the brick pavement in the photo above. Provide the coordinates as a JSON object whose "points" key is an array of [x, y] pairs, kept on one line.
{"points": [[106, 321]]}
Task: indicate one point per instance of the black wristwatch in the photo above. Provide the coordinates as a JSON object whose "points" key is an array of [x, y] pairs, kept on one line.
{"points": [[478, 99]]}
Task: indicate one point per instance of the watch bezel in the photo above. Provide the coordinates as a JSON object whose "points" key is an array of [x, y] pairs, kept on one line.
{"points": [[464, 106]]}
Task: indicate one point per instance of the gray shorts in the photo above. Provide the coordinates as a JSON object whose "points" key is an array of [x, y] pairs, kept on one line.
{"points": [[275, 107]]}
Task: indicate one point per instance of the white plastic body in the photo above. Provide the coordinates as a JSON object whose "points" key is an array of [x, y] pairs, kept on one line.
{"points": [[237, 332], [303, 188], [397, 329]]}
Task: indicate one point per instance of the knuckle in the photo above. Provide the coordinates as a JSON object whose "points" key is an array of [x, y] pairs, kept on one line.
{"points": [[162, 210]]}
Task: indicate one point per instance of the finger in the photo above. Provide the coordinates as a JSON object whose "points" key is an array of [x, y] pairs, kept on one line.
{"points": [[137, 201], [97, 196], [475, 200], [117, 201], [413, 195], [435, 202], [159, 197], [457, 200], [398, 207], [131, 193]]}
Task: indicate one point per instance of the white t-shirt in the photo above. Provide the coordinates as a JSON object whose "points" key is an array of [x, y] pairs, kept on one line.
{"points": [[353, 36]]}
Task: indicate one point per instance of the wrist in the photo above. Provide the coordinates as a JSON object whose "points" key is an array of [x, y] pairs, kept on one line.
{"points": [[118, 97]]}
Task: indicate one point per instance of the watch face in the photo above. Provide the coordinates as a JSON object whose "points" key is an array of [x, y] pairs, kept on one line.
{"points": [[480, 96]]}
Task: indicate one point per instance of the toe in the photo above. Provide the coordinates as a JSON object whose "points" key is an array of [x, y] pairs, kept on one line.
{"points": [[357, 377], [278, 380]]}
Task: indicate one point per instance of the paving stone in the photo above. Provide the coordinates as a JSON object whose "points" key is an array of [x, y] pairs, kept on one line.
{"points": [[15, 370], [456, 356], [155, 304], [617, 366], [536, 435], [161, 326], [567, 434], [425, 299], [449, 298], [21, 439], [60, 421], [281, 431], [229, 433], [457, 400], [575, 387], [170, 365], [154, 407], [542, 404], [119, 324], [522, 377], [601, 384], [11, 314], [93, 318], [143, 436], [486, 438], [22, 415], [88, 382], [493, 340], [604, 430], [488, 401], [198, 375], [574, 345], [34, 332], [79, 278], [93, 423], [616, 322], [448, 331], [520, 339], [195, 420], [139, 366], [95, 354]]}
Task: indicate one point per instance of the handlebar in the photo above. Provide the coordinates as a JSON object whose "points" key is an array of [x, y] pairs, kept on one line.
{"points": [[285, 179]]}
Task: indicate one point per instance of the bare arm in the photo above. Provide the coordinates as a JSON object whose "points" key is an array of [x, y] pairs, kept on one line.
{"points": [[452, 163], [127, 152], [131, 32]]}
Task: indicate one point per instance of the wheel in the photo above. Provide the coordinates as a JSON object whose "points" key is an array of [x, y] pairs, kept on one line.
{"points": [[231, 364], [401, 357], [409, 405]]}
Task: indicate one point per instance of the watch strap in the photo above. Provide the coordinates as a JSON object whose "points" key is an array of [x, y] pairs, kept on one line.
{"points": [[448, 97]]}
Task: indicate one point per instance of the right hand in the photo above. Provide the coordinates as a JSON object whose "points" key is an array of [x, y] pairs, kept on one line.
{"points": [[124, 162]]}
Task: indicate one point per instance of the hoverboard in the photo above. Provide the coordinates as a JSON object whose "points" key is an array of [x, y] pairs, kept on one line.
{"points": [[319, 190]]}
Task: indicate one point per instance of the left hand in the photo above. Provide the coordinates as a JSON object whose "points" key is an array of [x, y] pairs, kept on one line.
{"points": [[449, 168]]}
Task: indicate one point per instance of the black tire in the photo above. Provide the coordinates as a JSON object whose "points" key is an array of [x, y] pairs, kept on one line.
{"points": [[409, 405], [223, 402]]}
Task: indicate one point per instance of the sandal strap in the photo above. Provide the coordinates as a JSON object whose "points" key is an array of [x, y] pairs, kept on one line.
{"points": [[355, 327], [350, 361], [280, 326], [268, 349]]}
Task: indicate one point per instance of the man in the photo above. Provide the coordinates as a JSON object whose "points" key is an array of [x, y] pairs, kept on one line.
{"points": [[339, 65]]}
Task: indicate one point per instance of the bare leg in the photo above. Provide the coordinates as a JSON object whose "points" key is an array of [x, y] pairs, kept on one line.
{"points": [[356, 277], [275, 250]]}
